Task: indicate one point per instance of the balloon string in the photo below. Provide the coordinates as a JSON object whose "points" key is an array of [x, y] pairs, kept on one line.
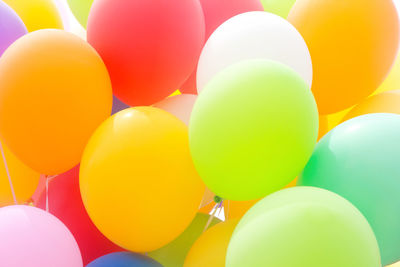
{"points": [[47, 192], [8, 174], [47, 177], [212, 215], [227, 210]]}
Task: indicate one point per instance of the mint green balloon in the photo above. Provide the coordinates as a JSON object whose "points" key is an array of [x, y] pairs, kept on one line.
{"points": [[278, 7], [174, 254], [80, 9], [303, 227], [253, 129], [360, 160]]}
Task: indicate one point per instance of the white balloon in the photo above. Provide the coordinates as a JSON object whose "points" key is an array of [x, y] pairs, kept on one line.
{"points": [[254, 35]]}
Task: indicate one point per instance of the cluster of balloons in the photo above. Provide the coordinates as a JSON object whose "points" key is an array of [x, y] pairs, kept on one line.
{"points": [[287, 119]]}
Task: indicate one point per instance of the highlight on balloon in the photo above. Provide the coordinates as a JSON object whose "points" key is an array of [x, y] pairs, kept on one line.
{"points": [[199, 133]]}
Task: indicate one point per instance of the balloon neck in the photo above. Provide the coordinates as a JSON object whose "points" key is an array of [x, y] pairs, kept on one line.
{"points": [[218, 199]]}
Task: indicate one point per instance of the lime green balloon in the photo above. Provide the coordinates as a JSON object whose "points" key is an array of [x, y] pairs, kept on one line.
{"points": [[174, 254], [253, 129], [81, 8], [359, 160], [278, 7], [303, 226]]}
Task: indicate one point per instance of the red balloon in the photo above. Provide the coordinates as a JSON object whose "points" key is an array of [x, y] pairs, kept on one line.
{"points": [[149, 47], [217, 12], [66, 204]]}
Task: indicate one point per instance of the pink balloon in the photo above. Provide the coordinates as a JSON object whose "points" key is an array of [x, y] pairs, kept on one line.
{"points": [[217, 12], [32, 237], [179, 105]]}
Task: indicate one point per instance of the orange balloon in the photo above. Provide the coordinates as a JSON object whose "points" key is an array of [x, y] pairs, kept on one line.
{"points": [[236, 209], [210, 249], [207, 208], [55, 91], [386, 102], [353, 44]]}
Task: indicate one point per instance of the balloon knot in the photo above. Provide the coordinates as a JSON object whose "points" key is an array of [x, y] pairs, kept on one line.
{"points": [[217, 199]]}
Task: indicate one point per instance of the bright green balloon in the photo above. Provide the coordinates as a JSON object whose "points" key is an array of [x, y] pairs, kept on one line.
{"points": [[278, 7], [174, 254], [303, 226], [81, 8], [253, 129], [360, 160]]}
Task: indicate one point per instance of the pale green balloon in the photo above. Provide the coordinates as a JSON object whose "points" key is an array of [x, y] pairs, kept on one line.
{"points": [[174, 254], [253, 129], [80, 9], [360, 160], [303, 226], [278, 7]]}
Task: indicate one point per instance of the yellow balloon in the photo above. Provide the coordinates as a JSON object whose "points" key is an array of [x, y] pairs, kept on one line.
{"points": [[385, 102], [392, 81], [210, 249], [37, 14], [138, 181], [23, 178]]}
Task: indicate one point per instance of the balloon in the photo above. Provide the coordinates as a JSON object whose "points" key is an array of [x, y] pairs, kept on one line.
{"points": [[37, 14], [385, 102], [180, 106], [253, 35], [189, 86], [81, 8], [215, 13], [323, 126], [358, 160], [39, 189], [303, 226], [128, 35], [174, 254], [335, 119], [11, 27], [124, 259], [55, 91], [351, 56], [65, 203], [139, 159], [210, 248], [392, 81], [278, 7], [24, 179], [32, 237], [236, 209], [253, 129], [206, 208]]}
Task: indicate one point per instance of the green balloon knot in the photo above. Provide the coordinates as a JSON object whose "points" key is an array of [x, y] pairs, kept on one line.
{"points": [[218, 199]]}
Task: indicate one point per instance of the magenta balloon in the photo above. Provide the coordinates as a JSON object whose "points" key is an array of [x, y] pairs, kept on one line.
{"points": [[32, 237], [11, 27]]}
